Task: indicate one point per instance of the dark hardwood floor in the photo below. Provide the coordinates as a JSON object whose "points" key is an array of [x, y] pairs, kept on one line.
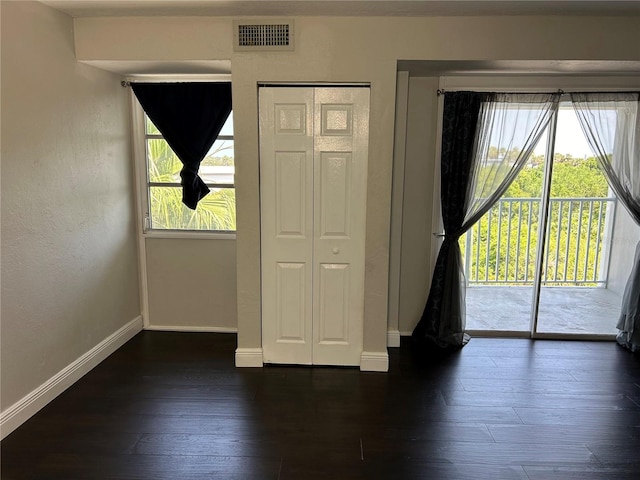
{"points": [[173, 406]]}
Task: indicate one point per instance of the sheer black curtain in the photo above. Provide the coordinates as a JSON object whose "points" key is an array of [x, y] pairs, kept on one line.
{"points": [[443, 319], [611, 123], [190, 117], [471, 182]]}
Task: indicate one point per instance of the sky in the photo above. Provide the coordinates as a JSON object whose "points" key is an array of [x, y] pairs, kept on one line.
{"points": [[569, 136]]}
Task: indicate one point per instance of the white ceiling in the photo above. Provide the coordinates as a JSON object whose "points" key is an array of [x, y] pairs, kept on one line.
{"points": [[85, 8]]}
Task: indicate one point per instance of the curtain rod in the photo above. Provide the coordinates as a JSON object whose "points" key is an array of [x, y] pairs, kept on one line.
{"points": [[214, 78], [442, 91]]}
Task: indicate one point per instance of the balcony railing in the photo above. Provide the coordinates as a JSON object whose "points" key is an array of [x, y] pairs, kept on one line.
{"points": [[502, 247]]}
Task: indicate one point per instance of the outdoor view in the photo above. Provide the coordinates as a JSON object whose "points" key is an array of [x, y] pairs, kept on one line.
{"points": [[217, 210], [503, 246], [500, 252]]}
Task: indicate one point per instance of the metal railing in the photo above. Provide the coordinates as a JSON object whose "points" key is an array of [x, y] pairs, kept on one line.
{"points": [[501, 248]]}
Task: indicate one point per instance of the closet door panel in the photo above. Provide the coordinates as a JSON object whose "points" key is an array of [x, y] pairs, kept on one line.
{"points": [[286, 196], [340, 188]]}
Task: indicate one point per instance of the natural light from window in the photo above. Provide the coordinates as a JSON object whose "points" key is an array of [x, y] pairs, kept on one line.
{"points": [[216, 211]]}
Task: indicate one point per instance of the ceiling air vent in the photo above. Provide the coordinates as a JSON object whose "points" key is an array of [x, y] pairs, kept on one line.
{"points": [[253, 36]]}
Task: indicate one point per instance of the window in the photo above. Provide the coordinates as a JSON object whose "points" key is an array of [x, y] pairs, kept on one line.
{"points": [[165, 210]]}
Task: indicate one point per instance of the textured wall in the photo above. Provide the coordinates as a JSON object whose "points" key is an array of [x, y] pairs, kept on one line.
{"points": [[69, 267]]}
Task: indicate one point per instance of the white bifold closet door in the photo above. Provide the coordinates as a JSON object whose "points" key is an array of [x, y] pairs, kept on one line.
{"points": [[313, 185]]}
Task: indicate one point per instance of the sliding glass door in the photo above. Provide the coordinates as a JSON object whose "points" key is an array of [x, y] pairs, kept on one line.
{"points": [[574, 298], [539, 262], [499, 254]]}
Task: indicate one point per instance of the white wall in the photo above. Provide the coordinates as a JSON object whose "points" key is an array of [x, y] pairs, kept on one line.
{"points": [[69, 260], [417, 231], [192, 284], [344, 49]]}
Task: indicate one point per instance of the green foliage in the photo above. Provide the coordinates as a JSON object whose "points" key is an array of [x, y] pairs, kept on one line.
{"points": [[163, 164], [572, 178], [503, 245], [216, 211]]}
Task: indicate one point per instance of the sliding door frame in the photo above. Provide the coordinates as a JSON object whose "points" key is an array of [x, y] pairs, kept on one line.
{"points": [[527, 84]]}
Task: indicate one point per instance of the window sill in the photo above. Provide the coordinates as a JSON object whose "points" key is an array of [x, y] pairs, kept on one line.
{"points": [[189, 235]]}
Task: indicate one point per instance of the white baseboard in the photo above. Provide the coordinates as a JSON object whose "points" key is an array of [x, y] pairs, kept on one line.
{"points": [[249, 357], [393, 338], [374, 362], [406, 333], [23, 409], [180, 328]]}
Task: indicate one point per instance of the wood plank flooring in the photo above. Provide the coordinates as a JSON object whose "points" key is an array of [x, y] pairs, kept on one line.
{"points": [[173, 406]]}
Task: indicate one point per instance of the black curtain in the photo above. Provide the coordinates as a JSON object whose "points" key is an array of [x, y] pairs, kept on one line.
{"points": [[460, 120], [190, 117]]}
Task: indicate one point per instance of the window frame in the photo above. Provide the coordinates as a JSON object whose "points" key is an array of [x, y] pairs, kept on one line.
{"points": [[144, 184]]}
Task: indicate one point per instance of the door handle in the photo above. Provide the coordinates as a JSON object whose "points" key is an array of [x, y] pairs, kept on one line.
{"points": [[336, 250]]}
